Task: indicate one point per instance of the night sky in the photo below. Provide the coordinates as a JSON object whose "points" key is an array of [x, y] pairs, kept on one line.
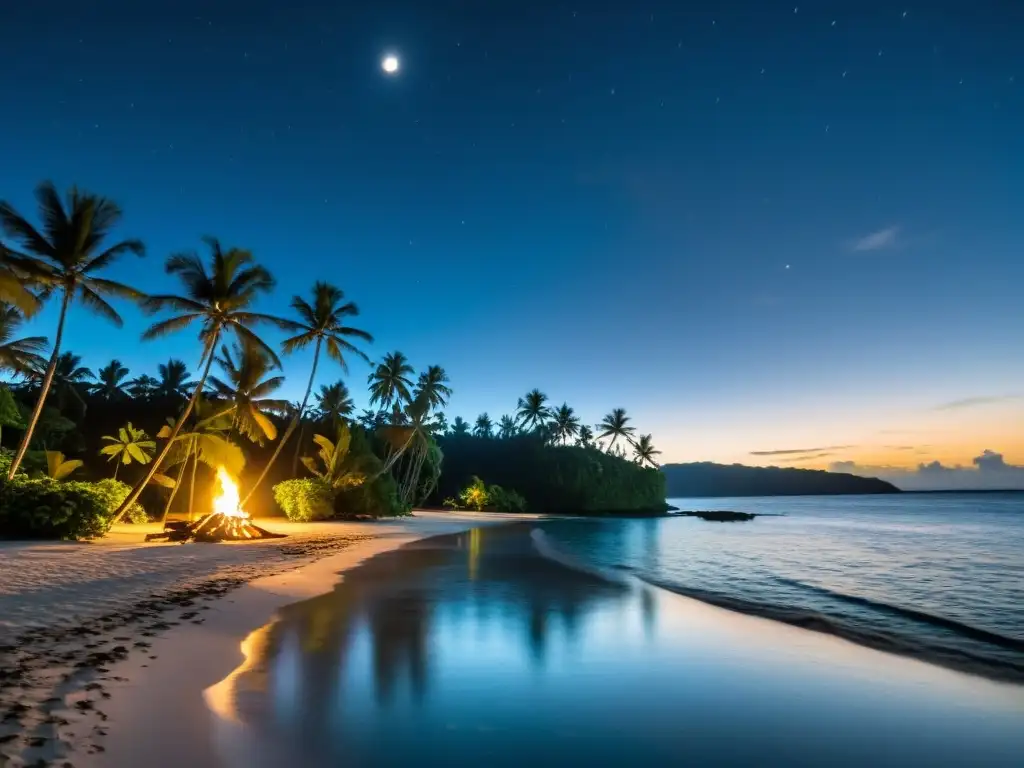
{"points": [[774, 232]]}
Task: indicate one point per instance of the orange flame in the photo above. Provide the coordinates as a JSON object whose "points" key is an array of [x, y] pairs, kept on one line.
{"points": [[227, 501]]}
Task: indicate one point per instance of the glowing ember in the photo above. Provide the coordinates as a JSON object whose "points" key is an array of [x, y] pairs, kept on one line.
{"points": [[227, 501]]}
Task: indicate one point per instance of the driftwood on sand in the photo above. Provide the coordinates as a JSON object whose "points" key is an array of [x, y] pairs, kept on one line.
{"points": [[213, 527]]}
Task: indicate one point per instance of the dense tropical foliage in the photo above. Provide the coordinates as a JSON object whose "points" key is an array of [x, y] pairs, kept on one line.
{"points": [[85, 445]]}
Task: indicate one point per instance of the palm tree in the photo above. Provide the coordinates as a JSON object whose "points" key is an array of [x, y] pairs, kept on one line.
{"points": [[130, 444], [585, 437], [220, 300], [390, 383], [616, 425], [322, 325], [174, 381], [645, 451], [483, 426], [532, 410], [433, 385], [460, 427], [142, 387], [22, 356], [111, 381], [63, 259], [247, 389], [507, 427], [334, 403], [439, 426], [69, 378], [370, 419], [565, 423], [410, 440]]}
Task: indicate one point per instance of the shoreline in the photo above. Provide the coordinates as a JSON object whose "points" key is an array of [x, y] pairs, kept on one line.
{"points": [[166, 696], [70, 688], [368, 670]]}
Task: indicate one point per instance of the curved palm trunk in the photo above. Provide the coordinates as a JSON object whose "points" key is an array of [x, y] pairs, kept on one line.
{"points": [[47, 381], [192, 487], [291, 427], [174, 491], [155, 464], [298, 448], [393, 458]]}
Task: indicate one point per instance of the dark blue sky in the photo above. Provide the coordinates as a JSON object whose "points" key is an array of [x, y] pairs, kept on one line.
{"points": [[601, 202]]}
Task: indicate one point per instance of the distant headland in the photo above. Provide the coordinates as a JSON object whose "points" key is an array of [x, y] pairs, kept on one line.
{"points": [[708, 479]]}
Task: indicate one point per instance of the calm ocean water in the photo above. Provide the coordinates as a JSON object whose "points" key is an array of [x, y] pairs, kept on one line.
{"points": [[937, 576], [484, 649]]}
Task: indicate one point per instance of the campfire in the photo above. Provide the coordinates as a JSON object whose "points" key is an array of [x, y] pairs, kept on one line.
{"points": [[227, 522]]}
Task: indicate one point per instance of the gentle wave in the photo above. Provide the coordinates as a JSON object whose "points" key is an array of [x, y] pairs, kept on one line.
{"points": [[966, 630], [914, 646], [935, 653]]}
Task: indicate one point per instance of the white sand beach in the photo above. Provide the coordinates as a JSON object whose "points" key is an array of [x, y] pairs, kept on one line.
{"points": [[91, 633]]}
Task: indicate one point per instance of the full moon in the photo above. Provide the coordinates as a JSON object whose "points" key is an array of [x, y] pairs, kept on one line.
{"points": [[389, 64]]}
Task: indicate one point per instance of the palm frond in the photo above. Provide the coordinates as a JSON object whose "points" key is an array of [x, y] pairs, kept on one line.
{"points": [[114, 288], [17, 227], [96, 304], [111, 255], [170, 325]]}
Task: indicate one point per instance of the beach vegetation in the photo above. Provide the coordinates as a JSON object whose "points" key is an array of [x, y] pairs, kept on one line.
{"points": [[305, 499], [59, 467], [43, 508], [127, 446], [63, 261], [170, 430]]}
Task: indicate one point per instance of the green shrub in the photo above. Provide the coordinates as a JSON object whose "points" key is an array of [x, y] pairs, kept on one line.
{"points": [[50, 509], [34, 463], [480, 496], [474, 495], [113, 493], [305, 500], [377, 498], [501, 500]]}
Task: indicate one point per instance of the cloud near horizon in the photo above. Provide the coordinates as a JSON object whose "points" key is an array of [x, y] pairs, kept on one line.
{"points": [[971, 402], [876, 241], [989, 471], [805, 457], [791, 451]]}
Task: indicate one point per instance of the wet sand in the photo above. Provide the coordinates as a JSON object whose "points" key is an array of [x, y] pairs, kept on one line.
{"points": [[474, 650]]}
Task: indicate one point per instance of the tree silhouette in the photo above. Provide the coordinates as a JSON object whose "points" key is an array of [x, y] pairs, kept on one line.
{"points": [[111, 384], [532, 410], [615, 425], [322, 325], [63, 260], [220, 301]]}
